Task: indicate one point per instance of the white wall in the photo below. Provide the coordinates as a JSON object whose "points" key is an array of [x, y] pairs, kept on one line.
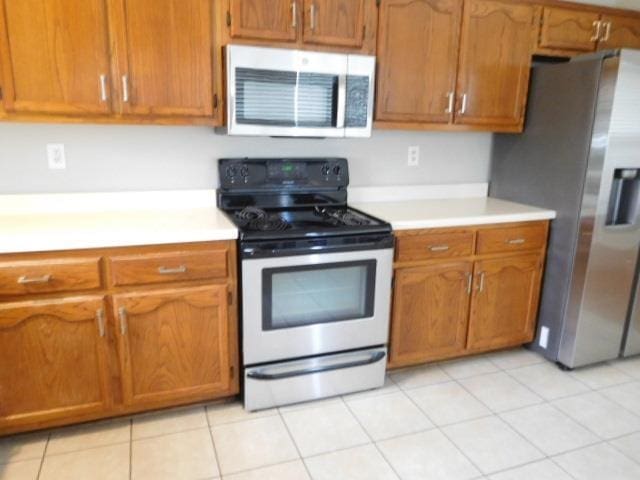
{"points": [[112, 158], [631, 4]]}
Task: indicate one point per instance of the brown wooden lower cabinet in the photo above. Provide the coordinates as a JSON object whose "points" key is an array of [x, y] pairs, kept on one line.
{"points": [[448, 307]]}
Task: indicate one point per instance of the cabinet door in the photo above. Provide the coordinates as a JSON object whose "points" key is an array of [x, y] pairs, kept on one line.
{"points": [[53, 360], [173, 344], [430, 312], [620, 32], [567, 29], [55, 56], [505, 302], [417, 55], [334, 22], [495, 59], [264, 19], [165, 57]]}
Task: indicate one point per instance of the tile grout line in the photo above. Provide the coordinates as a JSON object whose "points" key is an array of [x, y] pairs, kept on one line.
{"points": [[213, 442], [44, 454], [130, 448], [293, 440]]}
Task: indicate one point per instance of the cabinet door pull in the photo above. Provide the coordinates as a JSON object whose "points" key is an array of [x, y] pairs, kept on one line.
{"points": [[294, 14], [122, 313], [172, 271], [439, 248], [607, 32], [100, 321], [481, 284], [469, 283], [463, 108], [25, 280], [103, 87], [597, 26], [312, 16], [452, 97], [516, 241], [125, 88]]}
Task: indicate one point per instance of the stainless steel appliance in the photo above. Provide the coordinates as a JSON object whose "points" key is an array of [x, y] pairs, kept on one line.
{"points": [[296, 93], [316, 280], [580, 155]]}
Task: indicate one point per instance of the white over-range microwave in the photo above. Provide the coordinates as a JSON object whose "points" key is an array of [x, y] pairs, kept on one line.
{"points": [[296, 93]]}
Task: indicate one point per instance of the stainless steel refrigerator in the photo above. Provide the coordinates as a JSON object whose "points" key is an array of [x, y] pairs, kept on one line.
{"points": [[580, 155]]}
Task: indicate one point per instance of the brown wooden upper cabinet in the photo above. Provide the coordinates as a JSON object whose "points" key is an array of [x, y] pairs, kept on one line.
{"points": [[55, 56], [571, 31], [335, 24], [448, 62]]}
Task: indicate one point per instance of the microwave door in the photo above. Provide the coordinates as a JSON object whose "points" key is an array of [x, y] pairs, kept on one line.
{"points": [[360, 83]]}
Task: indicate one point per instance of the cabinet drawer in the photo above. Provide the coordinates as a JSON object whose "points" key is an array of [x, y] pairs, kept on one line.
{"points": [[434, 245], [49, 275], [512, 239], [168, 267]]}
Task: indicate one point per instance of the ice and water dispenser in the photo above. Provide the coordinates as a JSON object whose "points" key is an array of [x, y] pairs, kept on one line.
{"points": [[623, 203]]}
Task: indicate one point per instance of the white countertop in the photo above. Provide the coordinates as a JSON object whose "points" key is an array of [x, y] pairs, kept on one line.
{"points": [[33, 223], [451, 212]]}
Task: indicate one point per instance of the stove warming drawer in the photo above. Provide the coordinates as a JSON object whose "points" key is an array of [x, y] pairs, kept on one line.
{"points": [[319, 377]]}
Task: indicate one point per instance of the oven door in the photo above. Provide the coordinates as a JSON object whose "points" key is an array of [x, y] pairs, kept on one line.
{"points": [[307, 305]]}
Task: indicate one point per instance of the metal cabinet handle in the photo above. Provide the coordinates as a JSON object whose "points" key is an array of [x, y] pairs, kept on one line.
{"points": [[125, 88], [439, 248], [516, 241], [469, 283], [294, 14], [481, 285], [24, 280], [100, 321], [607, 31], [312, 16], [172, 271], [122, 313], [452, 97], [103, 88], [597, 25], [463, 108]]}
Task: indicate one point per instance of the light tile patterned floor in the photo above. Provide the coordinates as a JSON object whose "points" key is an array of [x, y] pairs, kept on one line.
{"points": [[501, 416]]}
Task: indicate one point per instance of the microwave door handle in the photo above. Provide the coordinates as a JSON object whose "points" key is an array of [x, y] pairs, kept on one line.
{"points": [[342, 101]]}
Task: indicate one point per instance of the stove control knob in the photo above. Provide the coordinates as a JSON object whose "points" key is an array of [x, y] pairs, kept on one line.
{"points": [[231, 171], [244, 171], [326, 169], [337, 170]]}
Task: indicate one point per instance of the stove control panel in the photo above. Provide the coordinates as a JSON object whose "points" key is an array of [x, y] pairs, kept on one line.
{"points": [[282, 173]]}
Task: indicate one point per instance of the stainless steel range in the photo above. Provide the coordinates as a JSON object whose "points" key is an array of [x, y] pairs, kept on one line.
{"points": [[316, 280]]}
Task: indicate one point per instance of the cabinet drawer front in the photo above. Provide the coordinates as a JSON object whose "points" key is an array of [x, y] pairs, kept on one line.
{"points": [[569, 29], [512, 239], [168, 267], [49, 275], [434, 245]]}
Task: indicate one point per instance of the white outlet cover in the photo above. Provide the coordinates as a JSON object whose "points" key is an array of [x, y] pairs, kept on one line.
{"points": [[544, 337], [56, 157], [413, 156]]}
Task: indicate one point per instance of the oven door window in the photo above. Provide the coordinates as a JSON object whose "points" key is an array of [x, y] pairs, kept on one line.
{"points": [[314, 294], [285, 99]]}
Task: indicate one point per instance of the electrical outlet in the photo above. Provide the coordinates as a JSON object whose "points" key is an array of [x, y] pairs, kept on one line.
{"points": [[413, 156], [544, 337], [56, 157]]}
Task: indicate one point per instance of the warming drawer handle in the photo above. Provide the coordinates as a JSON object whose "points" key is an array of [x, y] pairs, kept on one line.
{"points": [[172, 271], [375, 357], [24, 280]]}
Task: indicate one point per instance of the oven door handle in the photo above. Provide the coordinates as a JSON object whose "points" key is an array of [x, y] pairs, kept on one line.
{"points": [[261, 375]]}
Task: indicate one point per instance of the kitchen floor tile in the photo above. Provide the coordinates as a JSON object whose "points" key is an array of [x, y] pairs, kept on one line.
{"points": [[22, 447], [500, 392], [421, 376], [548, 381], [515, 358], [24, 470], [389, 415], [543, 470], [102, 463], [630, 366], [600, 376], [283, 471], [549, 429], [599, 414], [468, 366], [599, 462], [252, 444], [324, 428], [627, 395], [491, 444], [388, 387], [186, 455], [427, 455], [359, 463], [171, 421], [89, 435], [221, 413], [629, 445], [447, 403]]}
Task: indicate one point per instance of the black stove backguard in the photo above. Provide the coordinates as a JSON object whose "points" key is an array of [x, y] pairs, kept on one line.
{"points": [[282, 182]]}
